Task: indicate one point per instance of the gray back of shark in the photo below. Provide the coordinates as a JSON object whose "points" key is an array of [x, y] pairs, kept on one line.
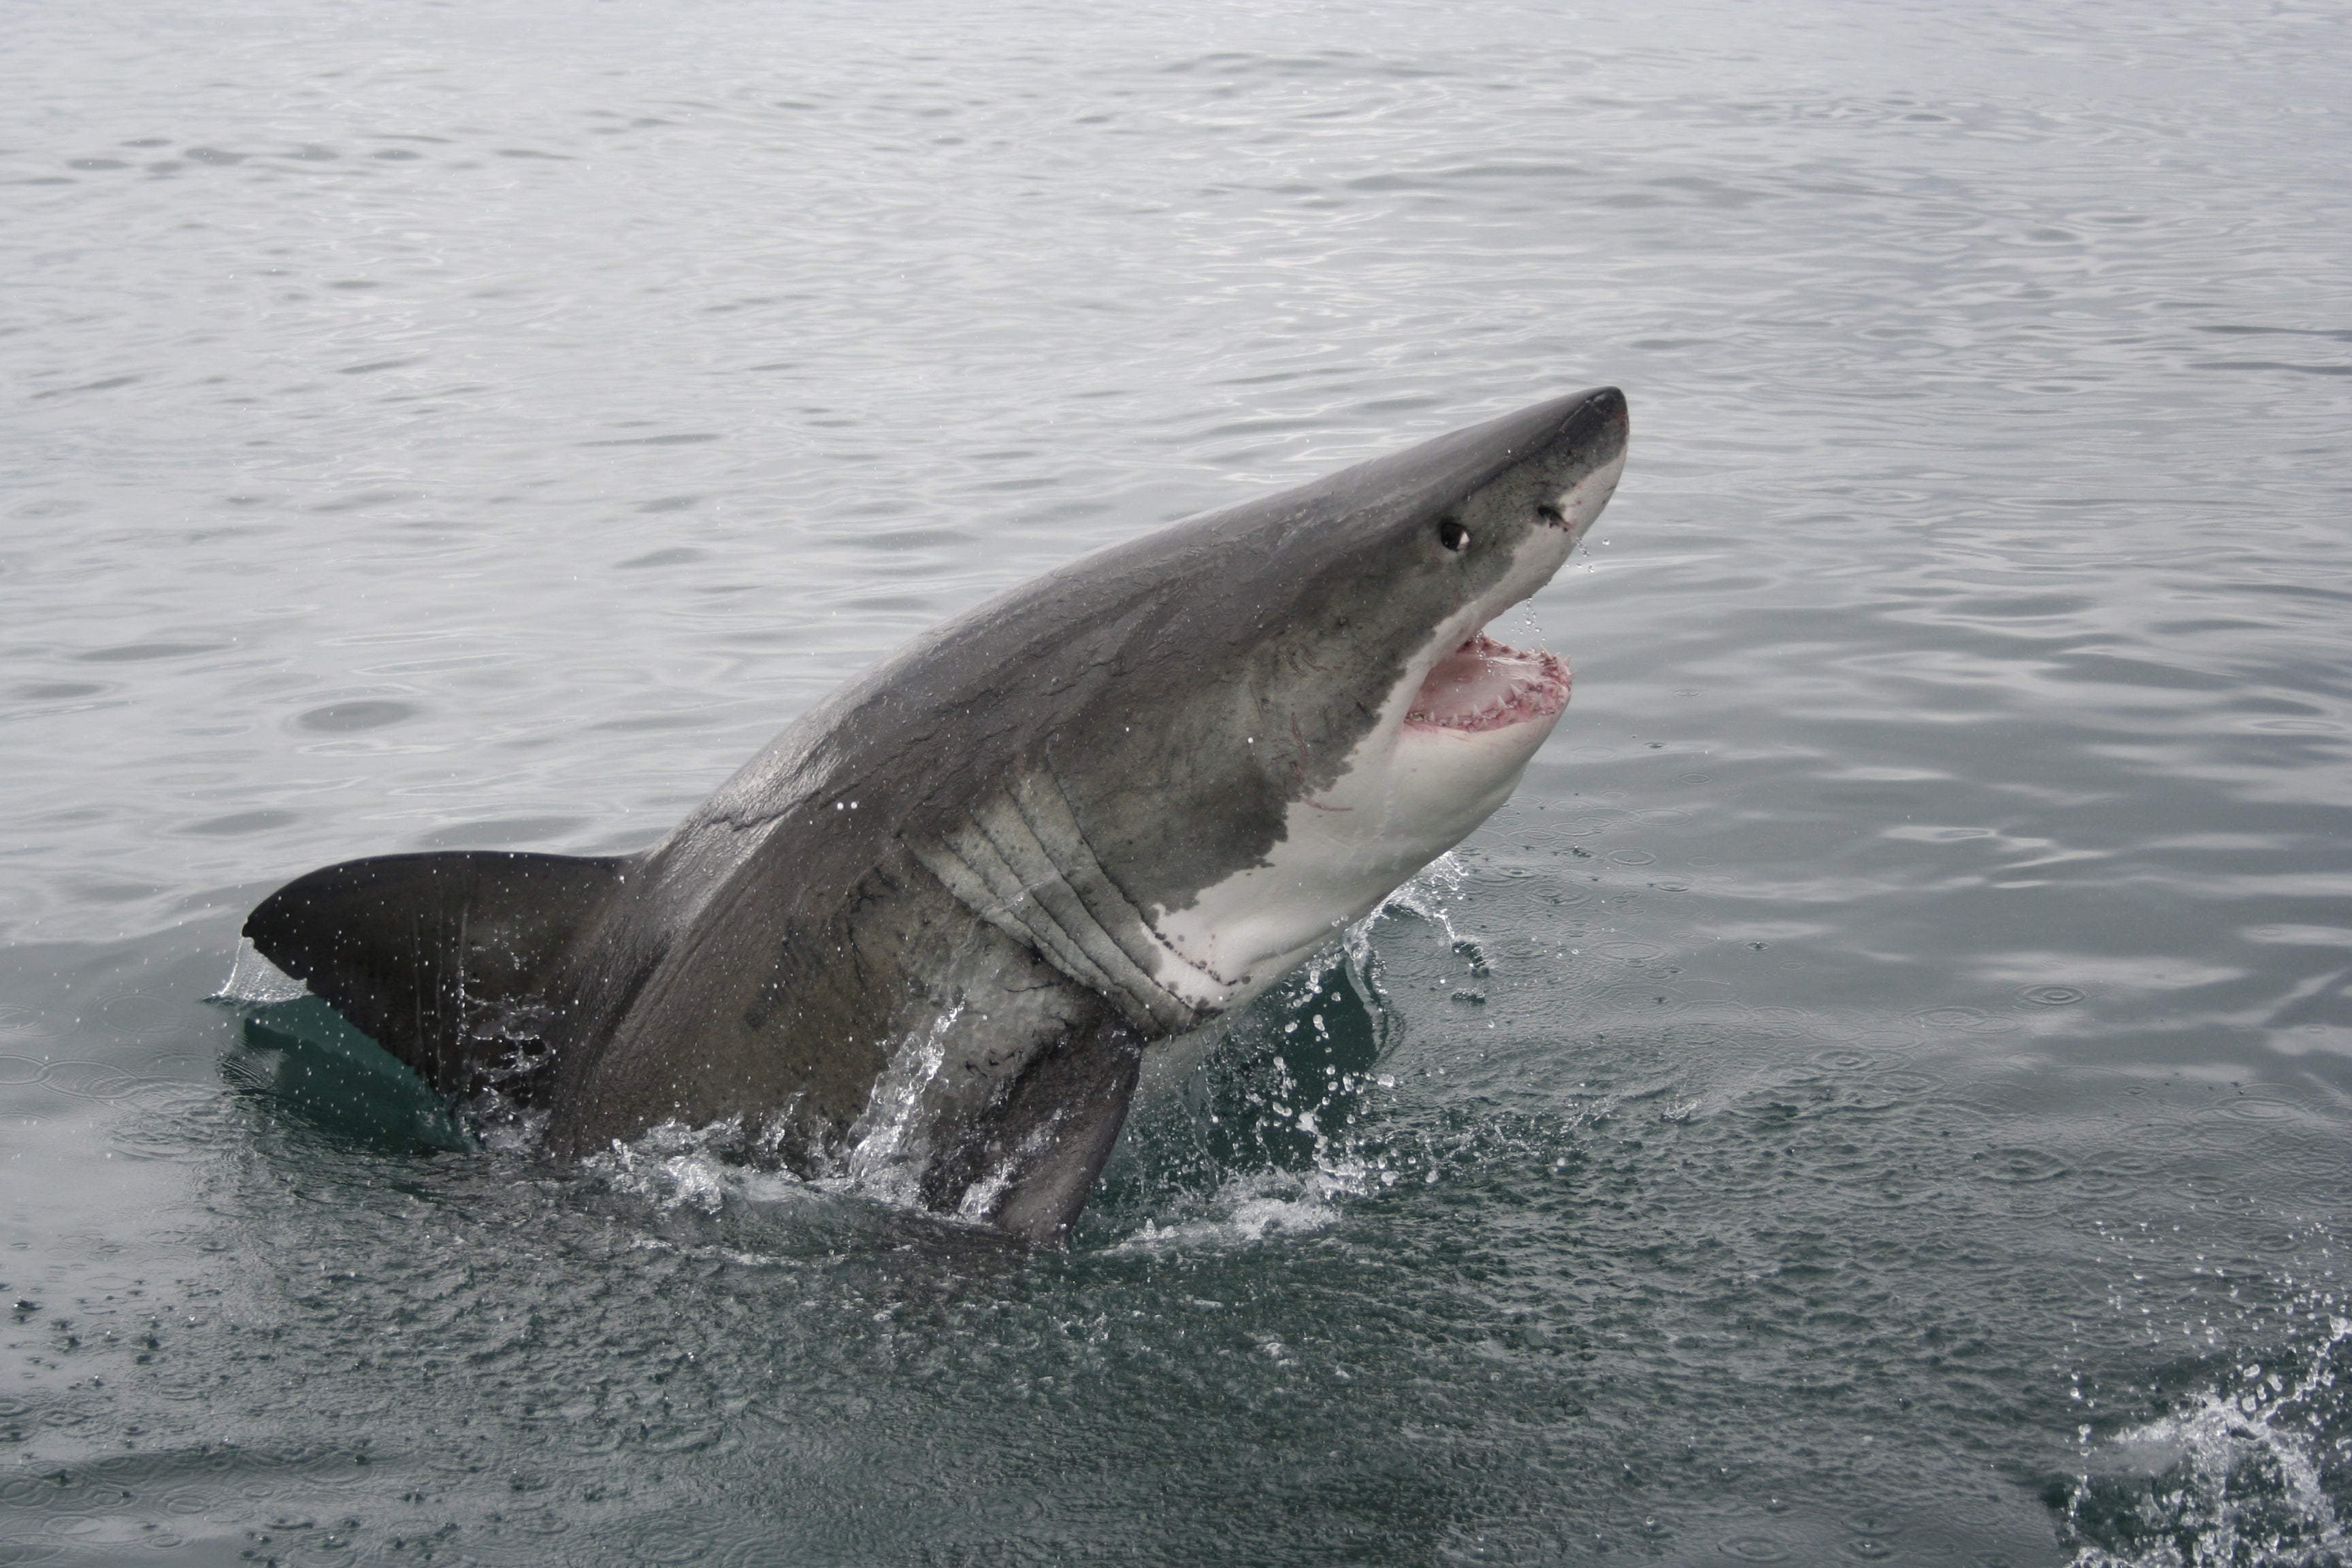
{"points": [[924, 938]]}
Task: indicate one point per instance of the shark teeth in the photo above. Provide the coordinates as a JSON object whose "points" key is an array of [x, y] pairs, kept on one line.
{"points": [[1486, 685]]}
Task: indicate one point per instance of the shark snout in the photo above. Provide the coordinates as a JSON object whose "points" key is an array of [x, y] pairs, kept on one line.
{"points": [[1605, 406], [1593, 459]]}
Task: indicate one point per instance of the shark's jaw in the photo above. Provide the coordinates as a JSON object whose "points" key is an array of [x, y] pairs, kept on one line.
{"points": [[1484, 685], [1456, 732]]}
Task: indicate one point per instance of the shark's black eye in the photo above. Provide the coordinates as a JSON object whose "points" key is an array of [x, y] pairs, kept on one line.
{"points": [[1453, 536]]}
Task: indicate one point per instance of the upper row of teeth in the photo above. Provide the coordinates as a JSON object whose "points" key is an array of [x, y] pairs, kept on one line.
{"points": [[1514, 700]]}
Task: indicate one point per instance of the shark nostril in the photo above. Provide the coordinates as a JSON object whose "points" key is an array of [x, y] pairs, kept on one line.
{"points": [[1552, 515]]}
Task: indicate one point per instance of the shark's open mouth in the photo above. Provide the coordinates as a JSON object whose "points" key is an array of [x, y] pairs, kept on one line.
{"points": [[1487, 685]]}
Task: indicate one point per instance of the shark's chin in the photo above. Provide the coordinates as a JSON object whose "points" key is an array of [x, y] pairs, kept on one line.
{"points": [[1485, 686], [1410, 793]]}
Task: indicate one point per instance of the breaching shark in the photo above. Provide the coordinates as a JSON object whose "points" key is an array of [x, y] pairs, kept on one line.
{"points": [[925, 937]]}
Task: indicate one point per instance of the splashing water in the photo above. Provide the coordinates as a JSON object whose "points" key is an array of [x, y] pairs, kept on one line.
{"points": [[254, 982], [1245, 1211], [1430, 895], [674, 1167], [2243, 1476], [887, 1143]]}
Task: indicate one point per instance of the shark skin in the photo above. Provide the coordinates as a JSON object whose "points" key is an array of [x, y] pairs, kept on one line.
{"points": [[926, 938]]}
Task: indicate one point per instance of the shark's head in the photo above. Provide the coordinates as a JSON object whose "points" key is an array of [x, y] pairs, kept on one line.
{"points": [[1264, 719], [1389, 719]]}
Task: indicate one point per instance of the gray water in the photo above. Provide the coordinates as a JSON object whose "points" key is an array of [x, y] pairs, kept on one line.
{"points": [[1881, 1090]]}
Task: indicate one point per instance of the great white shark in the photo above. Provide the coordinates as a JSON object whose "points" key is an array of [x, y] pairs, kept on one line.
{"points": [[925, 936]]}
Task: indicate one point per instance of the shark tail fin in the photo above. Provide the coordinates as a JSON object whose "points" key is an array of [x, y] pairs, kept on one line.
{"points": [[454, 963]]}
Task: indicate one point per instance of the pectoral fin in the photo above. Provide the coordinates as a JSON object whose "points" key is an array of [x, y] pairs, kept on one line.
{"points": [[1045, 1144]]}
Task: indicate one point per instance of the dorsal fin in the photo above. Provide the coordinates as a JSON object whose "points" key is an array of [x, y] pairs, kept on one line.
{"points": [[451, 962]]}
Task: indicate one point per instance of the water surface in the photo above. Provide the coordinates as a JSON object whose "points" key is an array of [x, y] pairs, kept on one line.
{"points": [[1880, 1091]]}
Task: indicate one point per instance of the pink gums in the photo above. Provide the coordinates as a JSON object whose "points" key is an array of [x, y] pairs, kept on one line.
{"points": [[1486, 685]]}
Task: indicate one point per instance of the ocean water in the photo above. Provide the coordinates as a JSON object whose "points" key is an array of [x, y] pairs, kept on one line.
{"points": [[1881, 1092]]}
